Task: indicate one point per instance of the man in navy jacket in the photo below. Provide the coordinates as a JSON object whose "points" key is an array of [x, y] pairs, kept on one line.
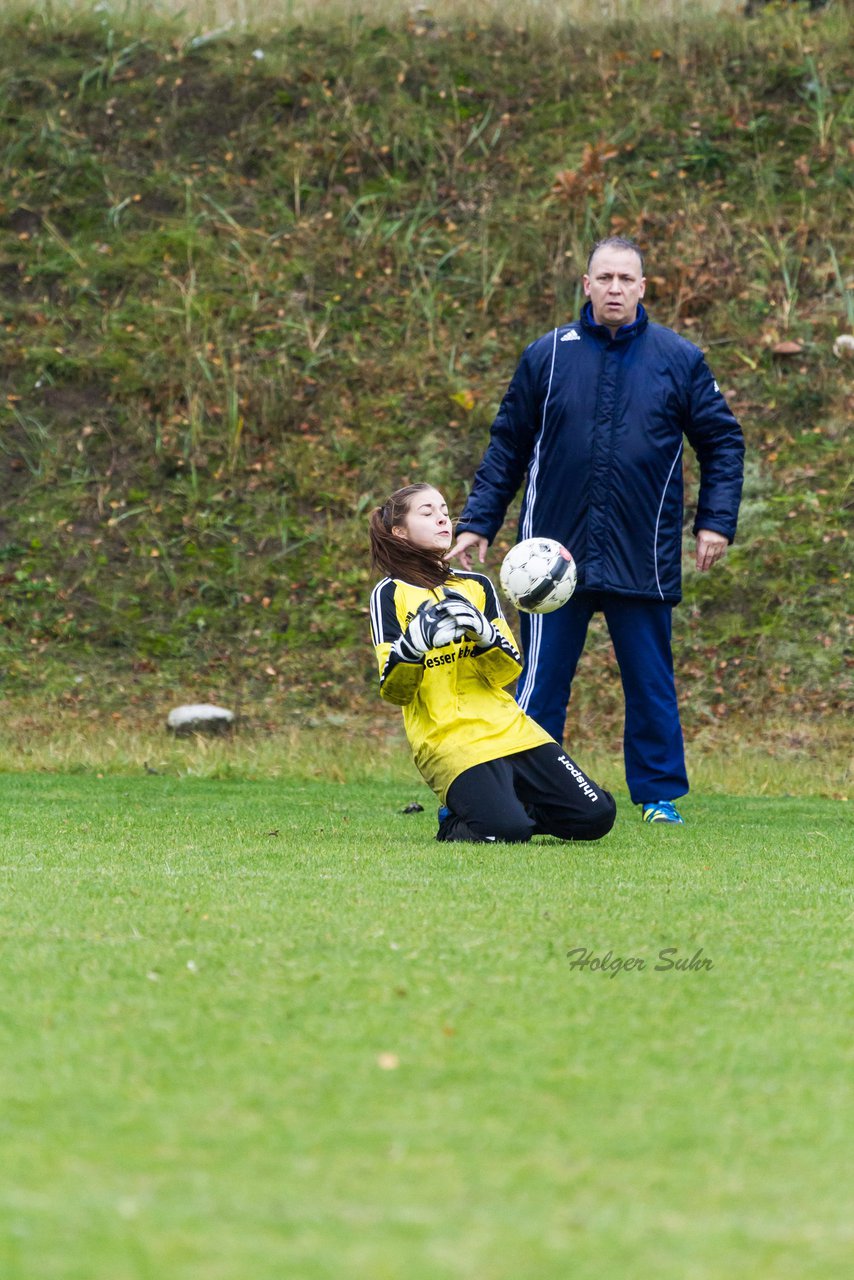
{"points": [[595, 417]]}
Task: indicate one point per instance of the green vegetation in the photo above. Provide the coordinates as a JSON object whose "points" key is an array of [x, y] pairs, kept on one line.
{"points": [[252, 280], [724, 758], [254, 1022], [271, 1029]]}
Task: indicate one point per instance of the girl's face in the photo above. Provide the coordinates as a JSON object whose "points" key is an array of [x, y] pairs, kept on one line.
{"points": [[427, 524]]}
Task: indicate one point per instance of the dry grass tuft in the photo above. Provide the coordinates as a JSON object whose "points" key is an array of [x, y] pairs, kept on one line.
{"points": [[277, 14], [745, 757]]}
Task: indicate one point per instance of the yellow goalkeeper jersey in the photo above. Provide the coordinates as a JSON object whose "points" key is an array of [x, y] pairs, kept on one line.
{"points": [[456, 710]]}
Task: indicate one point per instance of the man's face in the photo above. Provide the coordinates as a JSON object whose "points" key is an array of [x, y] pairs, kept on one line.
{"points": [[615, 286]]}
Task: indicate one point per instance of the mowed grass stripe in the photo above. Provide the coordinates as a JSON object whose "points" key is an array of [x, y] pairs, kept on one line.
{"points": [[345, 1050]]}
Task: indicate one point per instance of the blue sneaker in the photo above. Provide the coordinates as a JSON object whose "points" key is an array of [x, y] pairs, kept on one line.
{"points": [[662, 811], [443, 813]]}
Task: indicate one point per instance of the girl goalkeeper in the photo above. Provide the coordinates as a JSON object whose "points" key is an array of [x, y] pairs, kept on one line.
{"points": [[445, 656]]}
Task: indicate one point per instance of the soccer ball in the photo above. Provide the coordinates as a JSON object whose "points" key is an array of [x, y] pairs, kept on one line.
{"points": [[538, 575]]}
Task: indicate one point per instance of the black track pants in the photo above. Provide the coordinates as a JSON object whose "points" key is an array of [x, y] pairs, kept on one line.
{"points": [[537, 792]]}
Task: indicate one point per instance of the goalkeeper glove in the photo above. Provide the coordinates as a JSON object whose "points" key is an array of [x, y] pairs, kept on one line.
{"points": [[430, 629], [471, 623]]}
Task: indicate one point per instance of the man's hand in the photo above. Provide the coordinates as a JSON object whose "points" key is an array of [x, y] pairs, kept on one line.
{"points": [[464, 545], [710, 548]]}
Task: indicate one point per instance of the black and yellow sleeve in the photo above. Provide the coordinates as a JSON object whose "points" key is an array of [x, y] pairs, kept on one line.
{"points": [[399, 680]]}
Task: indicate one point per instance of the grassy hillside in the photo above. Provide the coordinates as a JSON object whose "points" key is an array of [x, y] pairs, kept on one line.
{"points": [[252, 281]]}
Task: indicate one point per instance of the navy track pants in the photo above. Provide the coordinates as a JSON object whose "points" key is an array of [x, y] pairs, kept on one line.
{"points": [[640, 631]]}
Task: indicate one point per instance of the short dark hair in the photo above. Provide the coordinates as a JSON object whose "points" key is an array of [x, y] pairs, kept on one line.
{"points": [[615, 242]]}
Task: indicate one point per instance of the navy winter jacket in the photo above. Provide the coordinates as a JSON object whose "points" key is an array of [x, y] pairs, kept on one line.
{"points": [[597, 423]]}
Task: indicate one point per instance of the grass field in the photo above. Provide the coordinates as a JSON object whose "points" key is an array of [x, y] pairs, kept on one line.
{"points": [[258, 1029]]}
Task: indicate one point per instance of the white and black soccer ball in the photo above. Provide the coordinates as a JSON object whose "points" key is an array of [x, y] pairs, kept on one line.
{"points": [[538, 575]]}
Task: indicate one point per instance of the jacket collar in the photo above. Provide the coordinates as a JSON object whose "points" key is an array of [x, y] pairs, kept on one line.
{"points": [[624, 334]]}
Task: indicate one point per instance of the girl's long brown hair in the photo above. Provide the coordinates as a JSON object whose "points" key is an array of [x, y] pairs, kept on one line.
{"points": [[397, 557]]}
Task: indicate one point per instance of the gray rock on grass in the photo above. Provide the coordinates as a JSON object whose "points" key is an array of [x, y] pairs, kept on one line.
{"points": [[199, 717]]}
